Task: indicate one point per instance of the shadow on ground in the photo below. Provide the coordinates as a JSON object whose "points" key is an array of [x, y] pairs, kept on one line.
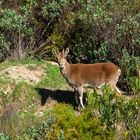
{"points": [[61, 96], [125, 88]]}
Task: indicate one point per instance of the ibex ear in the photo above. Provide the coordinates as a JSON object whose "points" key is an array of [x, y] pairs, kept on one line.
{"points": [[54, 52], [67, 51], [63, 51]]}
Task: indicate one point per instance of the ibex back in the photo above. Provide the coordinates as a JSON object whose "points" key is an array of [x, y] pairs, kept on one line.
{"points": [[80, 76]]}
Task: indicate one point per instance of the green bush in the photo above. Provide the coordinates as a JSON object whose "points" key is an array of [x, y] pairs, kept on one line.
{"points": [[98, 36], [94, 31], [12, 21], [16, 29], [114, 111], [129, 63], [71, 126], [4, 47]]}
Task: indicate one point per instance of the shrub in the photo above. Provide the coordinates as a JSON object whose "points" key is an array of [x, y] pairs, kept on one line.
{"points": [[94, 31], [114, 111], [68, 125], [4, 47], [129, 63], [16, 29]]}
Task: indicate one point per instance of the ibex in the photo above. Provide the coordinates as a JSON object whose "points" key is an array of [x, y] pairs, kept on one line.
{"points": [[80, 76]]}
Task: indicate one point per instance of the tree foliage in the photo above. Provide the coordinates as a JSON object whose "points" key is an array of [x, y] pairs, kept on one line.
{"points": [[94, 31]]}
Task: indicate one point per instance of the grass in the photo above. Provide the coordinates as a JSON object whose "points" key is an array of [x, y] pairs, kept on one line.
{"points": [[53, 78], [23, 118]]}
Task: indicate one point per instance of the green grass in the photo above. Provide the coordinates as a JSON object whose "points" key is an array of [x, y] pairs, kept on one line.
{"points": [[20, 108], [53, 78]]}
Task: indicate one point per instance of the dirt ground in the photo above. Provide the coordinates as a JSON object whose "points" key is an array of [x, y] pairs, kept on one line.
{"points": [[24, 72]]}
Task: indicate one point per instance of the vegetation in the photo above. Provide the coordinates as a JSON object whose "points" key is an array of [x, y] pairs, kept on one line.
{"points": [[94, 31], [44, 112]]}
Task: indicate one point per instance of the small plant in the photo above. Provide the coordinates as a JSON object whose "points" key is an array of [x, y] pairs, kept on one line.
{"points": [[130, 117], [129, 63], [106, 106], [4, 137], [135, 85]]}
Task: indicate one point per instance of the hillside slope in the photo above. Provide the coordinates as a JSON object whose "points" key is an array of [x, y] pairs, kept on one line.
{"points": [[37, 103]]}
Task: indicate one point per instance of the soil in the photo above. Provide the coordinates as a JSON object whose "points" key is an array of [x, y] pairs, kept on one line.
{"points": [[24, 72]]}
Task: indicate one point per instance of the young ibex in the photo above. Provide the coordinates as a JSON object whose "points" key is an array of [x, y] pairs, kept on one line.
{"points": [[80, 76]]}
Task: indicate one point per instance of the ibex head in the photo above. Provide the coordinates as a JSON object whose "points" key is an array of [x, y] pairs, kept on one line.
{"points": [[61, 56]]}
